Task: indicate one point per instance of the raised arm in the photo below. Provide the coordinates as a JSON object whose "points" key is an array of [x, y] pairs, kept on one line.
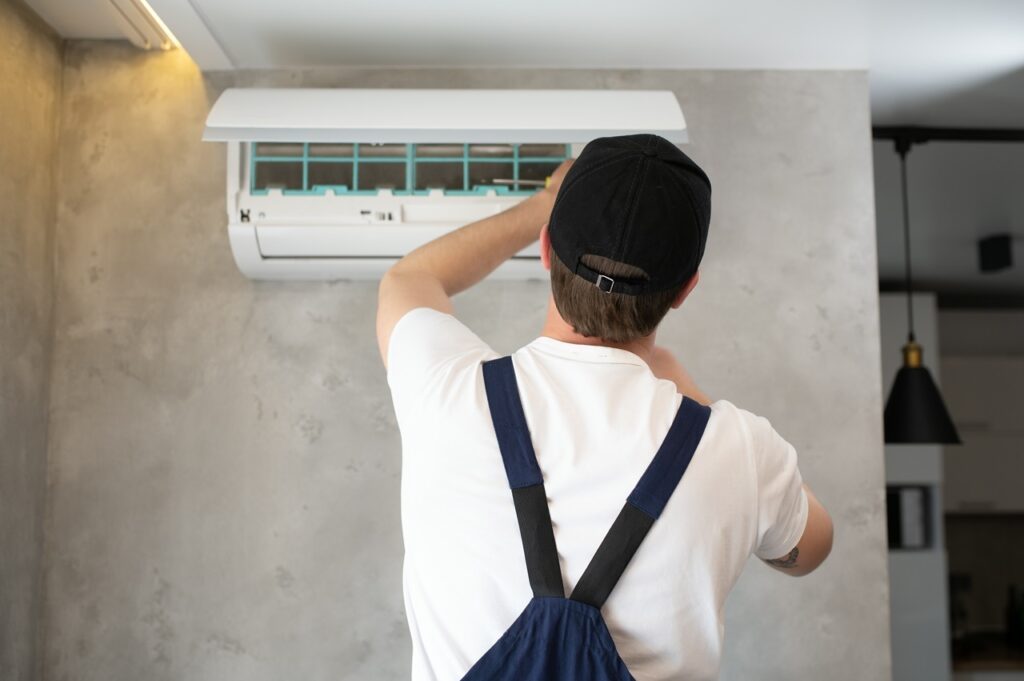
{"points": [[430, 275], [816, 542]]}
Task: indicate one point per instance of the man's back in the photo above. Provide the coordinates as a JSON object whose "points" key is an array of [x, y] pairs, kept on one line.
{"points": [[596, 416]]}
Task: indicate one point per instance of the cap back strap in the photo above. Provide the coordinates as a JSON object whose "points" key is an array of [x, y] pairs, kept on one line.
{"points": [[608, 284]]}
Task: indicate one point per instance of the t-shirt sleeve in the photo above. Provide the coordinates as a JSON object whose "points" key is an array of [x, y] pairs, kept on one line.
{"points": [[782, 502], [425, 347]]}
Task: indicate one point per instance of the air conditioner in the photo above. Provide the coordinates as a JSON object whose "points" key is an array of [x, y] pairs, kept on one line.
{"points": [[340, 183]]}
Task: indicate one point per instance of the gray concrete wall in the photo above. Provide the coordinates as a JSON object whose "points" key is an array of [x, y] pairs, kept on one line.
{"points": [[30, 61], [225, 463]]}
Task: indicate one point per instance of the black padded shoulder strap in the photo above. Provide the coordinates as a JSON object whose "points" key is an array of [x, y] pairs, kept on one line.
{"points": [[644, 504], [524, 477]]}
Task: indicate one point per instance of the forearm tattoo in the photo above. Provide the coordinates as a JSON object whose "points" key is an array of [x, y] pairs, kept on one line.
{"points": [[786, 562]]}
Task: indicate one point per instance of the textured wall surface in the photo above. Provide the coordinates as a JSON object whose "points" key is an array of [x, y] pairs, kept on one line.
{"points": [[29, 95], [225, 463]]}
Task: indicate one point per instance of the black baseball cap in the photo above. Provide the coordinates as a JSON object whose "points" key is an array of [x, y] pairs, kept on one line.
{"points": [[635, 199]]}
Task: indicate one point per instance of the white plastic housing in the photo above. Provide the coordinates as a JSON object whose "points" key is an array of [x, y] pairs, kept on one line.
{"points": [[434, 116], [278, 235]]}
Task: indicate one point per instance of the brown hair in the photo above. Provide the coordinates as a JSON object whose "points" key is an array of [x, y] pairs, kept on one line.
{"points": [[613, 317]]}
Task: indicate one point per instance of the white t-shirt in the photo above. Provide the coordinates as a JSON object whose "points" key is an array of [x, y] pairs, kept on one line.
{"points": [[596, 417]]}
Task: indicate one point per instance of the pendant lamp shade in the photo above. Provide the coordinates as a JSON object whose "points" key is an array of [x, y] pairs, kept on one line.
{"points": [[915, 412]]}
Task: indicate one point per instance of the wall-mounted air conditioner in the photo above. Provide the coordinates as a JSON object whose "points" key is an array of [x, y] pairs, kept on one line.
{"points": [[339, 184]]}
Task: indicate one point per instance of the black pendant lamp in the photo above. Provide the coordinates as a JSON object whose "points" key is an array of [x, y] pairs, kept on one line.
{"points": [[914, 412]]}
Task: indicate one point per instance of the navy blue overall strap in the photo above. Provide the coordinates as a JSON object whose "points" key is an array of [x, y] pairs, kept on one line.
{"points": [[644, 505], [524, 477]]}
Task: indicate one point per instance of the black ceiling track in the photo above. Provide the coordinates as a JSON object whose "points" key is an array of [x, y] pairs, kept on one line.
{"points": [[912, 134]]}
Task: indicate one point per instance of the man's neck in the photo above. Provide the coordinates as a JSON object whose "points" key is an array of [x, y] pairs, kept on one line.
{"points": [[557, 328]]}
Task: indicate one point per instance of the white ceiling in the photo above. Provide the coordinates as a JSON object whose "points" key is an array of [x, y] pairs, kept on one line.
{"points": [[957, 63], [932, 62], [958, 192]]}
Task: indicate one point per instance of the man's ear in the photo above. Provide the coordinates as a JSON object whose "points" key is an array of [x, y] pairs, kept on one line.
{"points": [[686, 290], [545, 247]]}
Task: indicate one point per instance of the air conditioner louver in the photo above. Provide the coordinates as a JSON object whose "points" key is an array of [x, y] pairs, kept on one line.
{"points": [[336, 183]]}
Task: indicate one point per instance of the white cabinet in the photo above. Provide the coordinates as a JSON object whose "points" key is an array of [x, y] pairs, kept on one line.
{"points": [[985, 396], [986, 473]]}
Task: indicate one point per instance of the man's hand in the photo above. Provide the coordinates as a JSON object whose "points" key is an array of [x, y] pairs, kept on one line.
{"points": [[556, 179], [663, 364], [430, 275]]}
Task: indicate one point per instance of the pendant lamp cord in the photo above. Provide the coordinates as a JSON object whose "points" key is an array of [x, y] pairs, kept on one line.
{"points": [[902, 147]]}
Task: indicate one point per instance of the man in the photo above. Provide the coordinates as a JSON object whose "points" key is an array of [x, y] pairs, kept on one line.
{"points": [[622, 232]]}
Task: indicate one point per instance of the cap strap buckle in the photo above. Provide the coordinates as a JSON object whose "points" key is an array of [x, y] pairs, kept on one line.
{"points": [[607, 288]]}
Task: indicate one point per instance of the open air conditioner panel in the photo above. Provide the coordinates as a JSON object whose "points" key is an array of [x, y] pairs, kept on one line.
{"points": [[341, 183], [441, 116]]}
